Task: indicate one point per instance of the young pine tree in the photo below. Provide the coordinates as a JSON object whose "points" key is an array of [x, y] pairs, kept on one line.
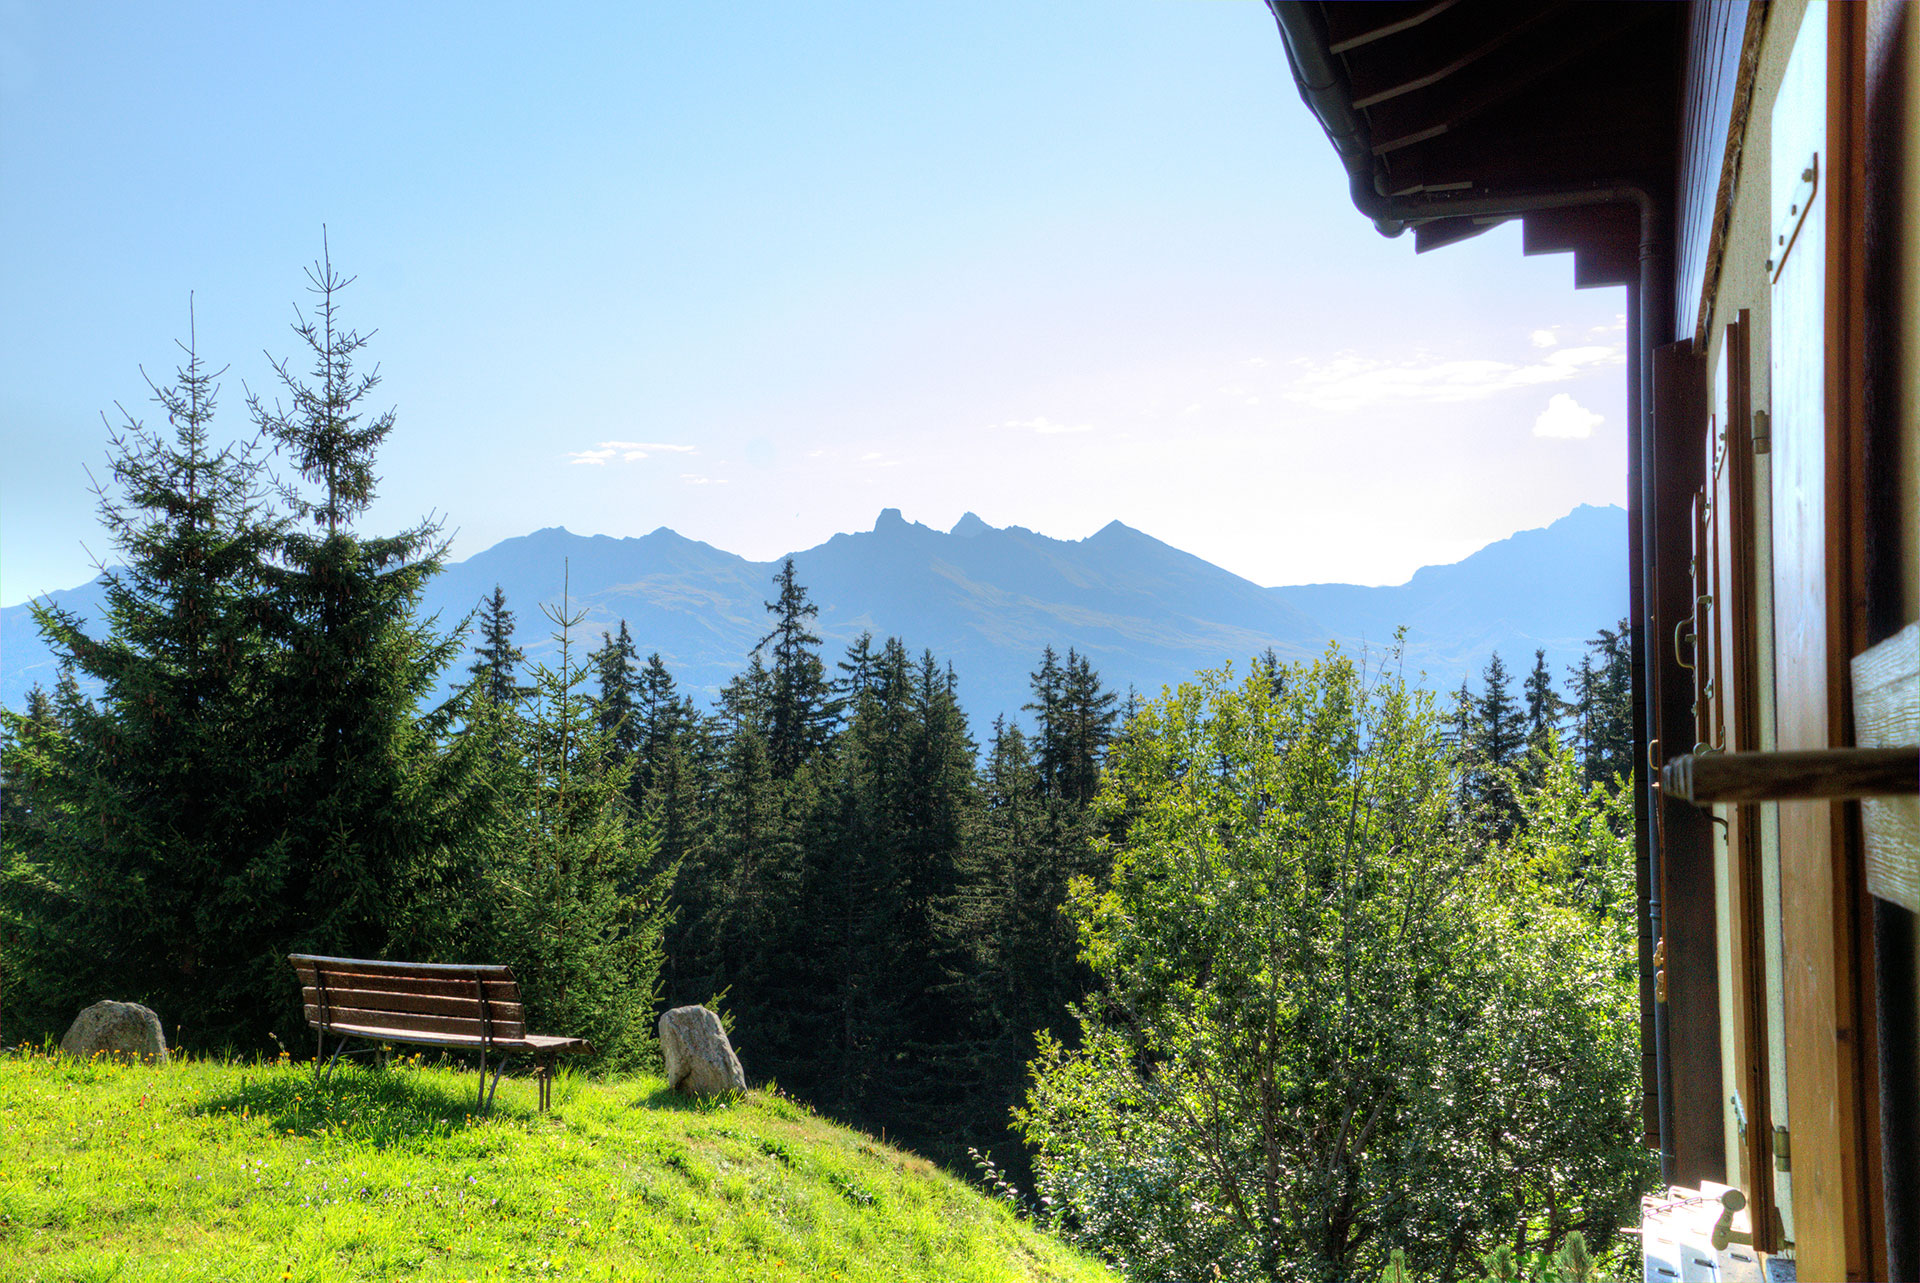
{"points": [[580, 896]]}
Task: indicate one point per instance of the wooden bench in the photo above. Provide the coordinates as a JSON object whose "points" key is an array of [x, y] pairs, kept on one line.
{"points": [[427, 1004]]}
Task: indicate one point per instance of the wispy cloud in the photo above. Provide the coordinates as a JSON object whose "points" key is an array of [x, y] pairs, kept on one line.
{"points": [[1545, 338], [1047, 427], [625, 451], [1353, 382], [693, 479], [1565, 419]]}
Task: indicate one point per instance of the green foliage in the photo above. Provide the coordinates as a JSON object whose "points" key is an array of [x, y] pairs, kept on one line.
{"points": [[1535, 1102], [1327, 1027], [577, 895]]}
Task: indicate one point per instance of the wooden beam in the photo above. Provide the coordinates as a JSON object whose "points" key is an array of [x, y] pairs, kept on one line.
{"points": [[1403, 68], [1387, 19], [1809, 775], [1490, 76]]}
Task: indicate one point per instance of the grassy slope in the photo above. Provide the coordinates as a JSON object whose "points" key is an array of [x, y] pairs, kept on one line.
{"points": [[206, 1170]]}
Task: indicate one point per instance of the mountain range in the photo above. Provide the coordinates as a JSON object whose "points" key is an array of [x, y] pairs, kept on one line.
{"points": [[988, 599]]}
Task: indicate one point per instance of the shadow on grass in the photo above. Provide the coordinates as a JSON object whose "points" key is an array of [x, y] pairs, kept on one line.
{"points": [[383, 1108], [664, 1097]]}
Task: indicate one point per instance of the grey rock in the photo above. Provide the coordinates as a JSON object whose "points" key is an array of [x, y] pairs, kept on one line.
{"points": [[119, 1028], [700, 1060]]}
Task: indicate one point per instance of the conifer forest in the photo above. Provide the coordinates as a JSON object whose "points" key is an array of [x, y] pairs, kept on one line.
{"points": [[1285, 967]]}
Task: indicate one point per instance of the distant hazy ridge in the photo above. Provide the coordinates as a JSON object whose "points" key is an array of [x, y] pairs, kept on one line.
{"points": [[987, 600]]}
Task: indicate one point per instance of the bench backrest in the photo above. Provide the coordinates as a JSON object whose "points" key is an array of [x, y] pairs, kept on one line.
{"points": [[434, 998]]}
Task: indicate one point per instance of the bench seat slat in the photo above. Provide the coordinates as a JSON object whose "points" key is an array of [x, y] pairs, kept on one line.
{"points": [[339, 1017], [399, 1000], [529, 1044]]}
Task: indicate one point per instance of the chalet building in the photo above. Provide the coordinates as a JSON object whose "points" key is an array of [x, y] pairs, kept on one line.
{"points": [[1751, 174]]}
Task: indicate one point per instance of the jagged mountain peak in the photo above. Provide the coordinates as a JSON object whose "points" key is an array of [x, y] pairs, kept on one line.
{"points": [[989, 599], [970, 526]]}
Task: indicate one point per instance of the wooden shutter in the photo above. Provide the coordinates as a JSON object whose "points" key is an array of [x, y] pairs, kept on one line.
{"points": [[1829, 1081], [1695, 1128], [1727, 624]]}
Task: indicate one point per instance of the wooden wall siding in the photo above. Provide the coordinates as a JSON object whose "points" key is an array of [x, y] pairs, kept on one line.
{"points": [[1722, 40], [1695, 1126], [1812, 577]]}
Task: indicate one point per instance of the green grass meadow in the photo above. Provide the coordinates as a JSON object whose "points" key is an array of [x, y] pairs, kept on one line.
{"points": [[208, 1169]]}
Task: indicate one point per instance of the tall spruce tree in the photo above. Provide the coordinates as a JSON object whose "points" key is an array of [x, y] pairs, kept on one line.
{"points": [[1087, 711], [153, 868], [939, 907], [1603, 711], [1495, 743], [1050, 729], [856, 675], [661, 716], [617, 705], [382, 808], [496, 663], [1545, 708], [798, 713], [1013, 969]]}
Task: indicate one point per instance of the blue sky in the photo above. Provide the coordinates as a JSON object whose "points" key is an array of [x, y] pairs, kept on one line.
{"points": [[756, 271]]}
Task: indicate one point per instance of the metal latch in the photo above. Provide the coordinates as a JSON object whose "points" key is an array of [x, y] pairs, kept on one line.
{"points": [[1762, 432], [1782, 1149], [1788, 229]]}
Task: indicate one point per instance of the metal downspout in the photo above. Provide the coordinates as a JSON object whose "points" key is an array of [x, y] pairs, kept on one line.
{"points": [[1322, 86]]}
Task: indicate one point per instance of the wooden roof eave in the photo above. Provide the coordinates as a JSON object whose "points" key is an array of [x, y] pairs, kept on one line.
{"points": [[1322, 83]]}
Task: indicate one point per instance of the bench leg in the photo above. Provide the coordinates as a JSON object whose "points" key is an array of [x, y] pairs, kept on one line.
{"points": [[337, 1053], [487, 1092]]}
